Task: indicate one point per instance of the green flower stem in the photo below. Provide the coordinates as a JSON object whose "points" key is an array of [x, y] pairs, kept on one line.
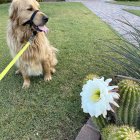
{"points": [[99, 122]]}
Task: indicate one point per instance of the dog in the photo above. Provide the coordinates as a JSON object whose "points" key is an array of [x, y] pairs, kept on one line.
{"points": [[25, 18]]}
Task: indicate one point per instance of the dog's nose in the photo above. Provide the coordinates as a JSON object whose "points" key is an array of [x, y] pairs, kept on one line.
{"points": [[45, 18]]}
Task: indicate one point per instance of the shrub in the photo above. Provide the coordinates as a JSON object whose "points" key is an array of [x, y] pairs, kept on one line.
{"points": [[125, 53]]}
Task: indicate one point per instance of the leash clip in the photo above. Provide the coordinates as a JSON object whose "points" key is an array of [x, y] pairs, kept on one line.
{"points": [[32, 37]]}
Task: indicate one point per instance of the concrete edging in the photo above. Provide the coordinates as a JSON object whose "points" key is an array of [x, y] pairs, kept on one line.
{"points": [[89, 132]]}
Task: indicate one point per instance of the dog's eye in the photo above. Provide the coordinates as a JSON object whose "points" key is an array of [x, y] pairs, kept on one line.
{"points": [[30, 9]]}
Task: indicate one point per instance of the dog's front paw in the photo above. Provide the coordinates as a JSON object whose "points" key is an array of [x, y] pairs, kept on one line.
{"points": [[26, 85], [53, 70], [47, 78]]}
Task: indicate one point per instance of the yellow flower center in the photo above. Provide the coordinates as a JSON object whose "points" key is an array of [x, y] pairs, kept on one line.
{"points": [[95, 97]]}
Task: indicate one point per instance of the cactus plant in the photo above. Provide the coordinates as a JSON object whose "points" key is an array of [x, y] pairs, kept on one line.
{"points": [[129, 110], [120, 133]]}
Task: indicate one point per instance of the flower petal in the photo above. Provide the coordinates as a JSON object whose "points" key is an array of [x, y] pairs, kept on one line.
{"points": [[114, 103], [107, 81], [112, 87]]}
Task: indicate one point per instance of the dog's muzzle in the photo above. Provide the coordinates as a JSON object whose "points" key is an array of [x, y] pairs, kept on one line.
{"points": [[31, 23]]}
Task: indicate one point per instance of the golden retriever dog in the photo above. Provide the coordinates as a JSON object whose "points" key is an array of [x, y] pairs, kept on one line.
{"points": [[40, 57]]}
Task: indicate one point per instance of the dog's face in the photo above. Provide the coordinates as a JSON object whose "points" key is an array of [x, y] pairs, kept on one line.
{"points": [[22, 10]]}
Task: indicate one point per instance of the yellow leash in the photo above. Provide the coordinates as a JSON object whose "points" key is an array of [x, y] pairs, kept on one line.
{"points": [[5, 71]]}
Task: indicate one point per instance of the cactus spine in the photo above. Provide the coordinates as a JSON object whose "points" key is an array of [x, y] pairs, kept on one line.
{"points": [[129, 110], [120, 133]]}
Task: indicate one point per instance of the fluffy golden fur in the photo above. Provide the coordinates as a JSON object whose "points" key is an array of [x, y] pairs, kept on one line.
{"points": [[40, 57]]}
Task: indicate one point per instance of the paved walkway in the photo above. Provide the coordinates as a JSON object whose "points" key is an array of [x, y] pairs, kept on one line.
{"points": [[111, 13]]}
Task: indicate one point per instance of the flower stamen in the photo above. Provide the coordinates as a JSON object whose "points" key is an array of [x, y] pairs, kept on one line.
{"points": [[95, 97]]}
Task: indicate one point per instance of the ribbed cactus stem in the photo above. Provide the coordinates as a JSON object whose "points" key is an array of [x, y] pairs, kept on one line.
{"points": [[129, 110], [121, 109], [133, 104], [120, 133]]}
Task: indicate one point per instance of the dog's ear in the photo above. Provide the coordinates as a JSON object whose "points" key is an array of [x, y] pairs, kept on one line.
{"points": [[13, 11]]}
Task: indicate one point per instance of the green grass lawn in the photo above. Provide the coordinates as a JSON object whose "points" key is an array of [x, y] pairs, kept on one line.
{"points": [[52, 111], [135, 12], [128, 3]]}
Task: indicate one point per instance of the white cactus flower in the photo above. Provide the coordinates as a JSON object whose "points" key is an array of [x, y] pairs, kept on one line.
{"points": [[97, 96]]}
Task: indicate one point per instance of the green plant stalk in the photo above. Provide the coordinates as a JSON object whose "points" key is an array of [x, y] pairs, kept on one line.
{"points": [[99, 122]]}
